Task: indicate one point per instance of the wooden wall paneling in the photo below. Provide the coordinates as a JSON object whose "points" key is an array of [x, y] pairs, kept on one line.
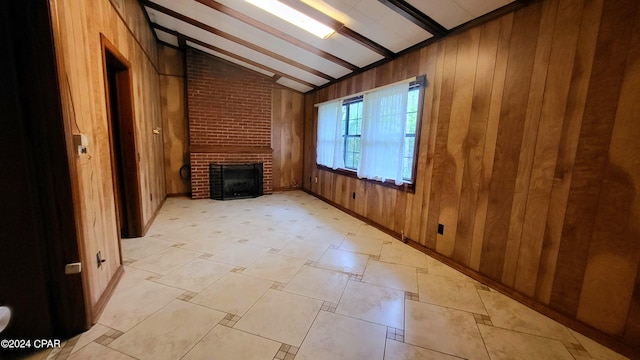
{"points": [[277, 137], [389, 200], [614, 253], [174, 120], [474, 142], [310, 135], [413, 211], [549, 131], [340, 191], [432, 106], [77, 38], [493, 120], [529, 136], [450, 49], [361, 197], [398, 215], [458, 142], [569, 138], [296, 122], [286, 138], [591, 158], [510, 130], [628, 111]]}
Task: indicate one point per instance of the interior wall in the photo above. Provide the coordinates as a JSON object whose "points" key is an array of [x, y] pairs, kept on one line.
{"points": [[528, 157], [287, 134], [77, 27], [174, 119]]}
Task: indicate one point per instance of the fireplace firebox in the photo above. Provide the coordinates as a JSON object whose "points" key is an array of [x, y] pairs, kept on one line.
{"points": [[235, 181]]}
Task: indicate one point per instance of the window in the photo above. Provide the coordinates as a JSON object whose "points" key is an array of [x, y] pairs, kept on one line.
{"points": [[376, 134], [413, 102], [351, 131]]}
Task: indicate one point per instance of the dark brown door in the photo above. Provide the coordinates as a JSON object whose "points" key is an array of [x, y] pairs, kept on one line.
{"points": [[37, 222]]}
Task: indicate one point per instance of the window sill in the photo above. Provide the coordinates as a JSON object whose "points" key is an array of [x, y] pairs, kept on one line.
{"points": [[406, 187]]}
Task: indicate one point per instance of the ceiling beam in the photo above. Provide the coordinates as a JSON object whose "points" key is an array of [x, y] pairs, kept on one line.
{"points": [[339, 27], [277, 33], [235, 39], [416, 16], [186, 38]]}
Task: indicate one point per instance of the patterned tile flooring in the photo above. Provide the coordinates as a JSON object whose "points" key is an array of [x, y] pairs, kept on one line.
{"points": [[287, 276]]}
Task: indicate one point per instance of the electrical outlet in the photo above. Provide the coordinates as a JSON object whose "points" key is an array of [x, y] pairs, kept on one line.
{"points": [[440, 229]]}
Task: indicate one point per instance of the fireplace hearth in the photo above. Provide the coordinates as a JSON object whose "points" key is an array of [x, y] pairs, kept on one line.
{"points": [[235, 181]]}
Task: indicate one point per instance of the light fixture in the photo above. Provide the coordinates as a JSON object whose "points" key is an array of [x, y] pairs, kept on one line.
{"points": [[294, 16]]}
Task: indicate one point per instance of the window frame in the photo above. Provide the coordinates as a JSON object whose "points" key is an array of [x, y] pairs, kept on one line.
{"points": [[408, 185]]}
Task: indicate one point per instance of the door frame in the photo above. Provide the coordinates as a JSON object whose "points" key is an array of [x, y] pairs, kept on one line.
{"points": [[127, 140]]}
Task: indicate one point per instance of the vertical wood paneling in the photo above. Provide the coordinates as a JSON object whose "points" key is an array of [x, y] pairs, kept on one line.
{"points": [[497, 91], [529, 136], [457, 139], [528, 155], [568, 147], [436, 86], [591, 158], [78, 26], [474, 142], [450, 50], [614, 253], [547, 142], [425, 153], [174, 120], [624, 137], [287, 131], [509, 140]]}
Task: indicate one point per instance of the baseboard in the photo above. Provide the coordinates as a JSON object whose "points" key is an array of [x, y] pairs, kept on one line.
{"points": [[289, 188], [153, 217], [106, 295]]}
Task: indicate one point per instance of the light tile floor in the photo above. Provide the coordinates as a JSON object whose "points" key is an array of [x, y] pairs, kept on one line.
{"points": [[286, 276]]}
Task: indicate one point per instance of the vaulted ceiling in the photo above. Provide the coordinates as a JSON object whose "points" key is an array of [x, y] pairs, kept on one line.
{"points": [[367, 32]]}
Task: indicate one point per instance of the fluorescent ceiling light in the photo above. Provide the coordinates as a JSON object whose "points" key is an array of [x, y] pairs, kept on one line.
{"points": [[294, 16]]}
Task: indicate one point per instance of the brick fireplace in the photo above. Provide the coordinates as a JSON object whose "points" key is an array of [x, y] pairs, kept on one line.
{"points": [[229, 119]]}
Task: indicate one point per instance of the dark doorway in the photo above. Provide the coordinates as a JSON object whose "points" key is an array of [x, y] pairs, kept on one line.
{"points": [[124, 156]]}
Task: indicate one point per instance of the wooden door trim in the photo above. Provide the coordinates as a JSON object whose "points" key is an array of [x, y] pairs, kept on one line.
{"points": [[127, 120]]}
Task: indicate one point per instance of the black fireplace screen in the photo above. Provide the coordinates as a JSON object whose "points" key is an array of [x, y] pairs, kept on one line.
{"points": [[235, 181]]}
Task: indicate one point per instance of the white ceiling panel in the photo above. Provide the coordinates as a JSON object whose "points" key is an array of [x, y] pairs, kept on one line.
{"points": [[293, 85], [446, 12], [247, 36], [167, 38]]}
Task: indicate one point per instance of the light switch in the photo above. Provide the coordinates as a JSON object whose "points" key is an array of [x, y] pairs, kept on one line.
{"points": [[80, 142]]}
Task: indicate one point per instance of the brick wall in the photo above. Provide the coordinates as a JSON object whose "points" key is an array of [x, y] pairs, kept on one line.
{"points": [[229, 118]]}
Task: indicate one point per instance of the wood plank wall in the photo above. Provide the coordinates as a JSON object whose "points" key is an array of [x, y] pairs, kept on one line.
{"points": [[174, 118], [287, 109], [77, 27], [528, 156]]}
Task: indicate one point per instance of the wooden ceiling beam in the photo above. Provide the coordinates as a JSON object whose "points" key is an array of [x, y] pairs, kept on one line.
{"points": [[186, 38], [416, 16], [277, 33], [235, 39]]}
